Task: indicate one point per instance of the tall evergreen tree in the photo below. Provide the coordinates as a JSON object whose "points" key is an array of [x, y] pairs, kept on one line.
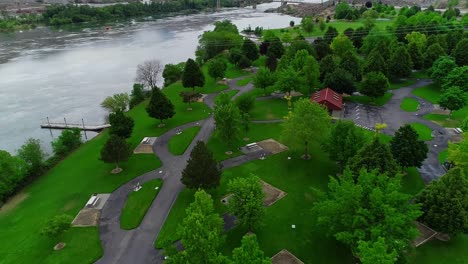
{"points": [[406, 147], [159, 106], [249, 252], [121, 125], [445, 203], [400, 63], [192, 76], [376, 63], [202, 170], [275, 48], [327, 65], [250, 49], [416, 56], [351, 63], [115, 150]]}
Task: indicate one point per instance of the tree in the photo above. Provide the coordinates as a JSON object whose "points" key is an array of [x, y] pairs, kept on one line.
{"points": [[172, 73], [246, 202], [374, 85], [307, 24], [13, 170], [458, 153], [235, 54], [115, 150], [57, 225], [416, 56], [69, 140], [264, 78], [159, 106], [290, 80], [453, 99], [330, 34], [407, 149], [121, 125], [249, 252], [464, 124], [441, 68], [457, 77], [250, 49], [327, 65], [371, 252], [351, 63], [192, 76], [275, 48], [200, 233], [371, 209], [137, 96], [33, 154], [342, 44], [308, 123], [213, 43], [418, 38], [400, 63], [374, 156], [432, 53], [343, 11], [375, 63], [444, 203], [202, 170], [244, 62], [228, 122], [245, 103], [311, 71], [461, 52], [344, 142], [322, 48], [340, 81], [217, 68], [116, 102], [189, 97], [358, 36], [148, 73]]}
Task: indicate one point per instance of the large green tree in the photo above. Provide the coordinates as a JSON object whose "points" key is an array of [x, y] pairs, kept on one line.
{"points": [[159, 106], [376, 63], [367, 209], [33, 154], [116, 150], [249, 252], [371, 252], [340, 81], [246, 202], [121, 125], [192, 76], [458, 153], [12, 172], [69, 140], [374, 156], [116, 102], [290, 80], [264, 78], [453, 99], [374, 85], [342, 44], [433, 52], [250, 49], [202, 170], [344, 142], [461, 52], [172, 73], [351, 63], [228, 122], [445, 203], [416, 56], [200, 231], [400, 63], [418, 38], [406, 147], [307, 124], [217, 67], [306, 65], [307, 24], [441, 68], [457, 77]]}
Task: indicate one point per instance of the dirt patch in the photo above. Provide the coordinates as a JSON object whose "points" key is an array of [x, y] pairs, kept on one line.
{"points": [[145, 147], [87, 217], [272, 194], [13, 202], [285, 257], [272, 146], [59, 246]]}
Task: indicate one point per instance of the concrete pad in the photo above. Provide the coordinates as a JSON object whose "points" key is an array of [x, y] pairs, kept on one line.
{"points": [[90, 216], [145, 148], [272, 146], [285, 257], [272, 194]]}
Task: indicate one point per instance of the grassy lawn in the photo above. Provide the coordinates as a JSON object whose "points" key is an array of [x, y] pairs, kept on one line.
{"points": [[230, 93], [245, 81], [435, 252], [443, 120], [412, 182], [270, 109], [397, 84], [429, 92], [368, 100], [260, 61], [179, 143], [424, 132], [138, 203], [409, 104], [443, 156]]}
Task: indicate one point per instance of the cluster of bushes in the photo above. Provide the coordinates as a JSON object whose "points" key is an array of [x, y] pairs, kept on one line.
{"points": [[20, 22]]}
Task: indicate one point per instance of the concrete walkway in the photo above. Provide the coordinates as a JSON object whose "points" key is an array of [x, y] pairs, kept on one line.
{"points": [[136, 246]]}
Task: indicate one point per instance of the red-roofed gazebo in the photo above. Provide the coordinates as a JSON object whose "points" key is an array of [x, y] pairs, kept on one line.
{"points": [[329, 98]]}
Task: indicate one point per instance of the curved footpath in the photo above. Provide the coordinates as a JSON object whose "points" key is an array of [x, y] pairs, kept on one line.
{"points": [[136, 246]]}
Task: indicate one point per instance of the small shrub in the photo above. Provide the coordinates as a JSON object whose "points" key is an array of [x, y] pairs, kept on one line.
{"points": [[57, 225]]}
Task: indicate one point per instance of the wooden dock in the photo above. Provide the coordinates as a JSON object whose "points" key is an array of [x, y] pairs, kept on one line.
{"points": [[82, 126]]}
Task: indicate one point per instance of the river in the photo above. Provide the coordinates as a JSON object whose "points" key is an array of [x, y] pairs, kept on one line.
{"points": [[67, 73]]}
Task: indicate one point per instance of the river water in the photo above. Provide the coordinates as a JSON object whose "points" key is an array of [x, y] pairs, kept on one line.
{"points": [[67, 73]]}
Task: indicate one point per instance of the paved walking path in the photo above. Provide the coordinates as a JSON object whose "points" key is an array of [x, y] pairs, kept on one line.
{"points": [[136, 246]]}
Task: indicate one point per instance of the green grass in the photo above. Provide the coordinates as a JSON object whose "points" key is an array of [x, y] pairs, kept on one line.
{"points": [[260, 61], [443, 120], [234, 72], [424, 132], [230, 93], [179, 143], [245, 81], [412, 182], [409, 104], [270, 109], [380, 101], [429, 92], [436, 252], [443, 156], [138, 203], [422, 74], [397, 84]]}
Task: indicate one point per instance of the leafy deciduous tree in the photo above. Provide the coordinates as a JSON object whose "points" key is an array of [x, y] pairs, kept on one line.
{"points": [[249, 252], [458, 77], [406, 147], [172, 73], [228, 122], [33, 154], [250, 49], [433, 52], [340, 81], [116, 102], [69, 140], [342, 44], [461, 52], [375, 84], [57, 225], [115, 150], [453, 99], [217, 68], [121, 125], [441, 68], [264, 78], [400, 63]]}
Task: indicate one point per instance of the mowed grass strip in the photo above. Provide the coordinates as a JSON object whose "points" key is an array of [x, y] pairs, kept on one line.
{"points": [[179, 143], [429, 92], [138, 203], [363, 99], [424, 132], [409, 104], [244, 81]]}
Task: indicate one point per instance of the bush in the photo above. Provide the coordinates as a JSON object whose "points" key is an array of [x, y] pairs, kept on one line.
{"points": [[244, 62], [137, 96], [57, 225], [69, 140]]}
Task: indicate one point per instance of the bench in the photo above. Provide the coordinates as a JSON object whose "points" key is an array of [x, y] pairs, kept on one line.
{"points": [[458, 130], [145, 140], [251, 145], [92, 201]]}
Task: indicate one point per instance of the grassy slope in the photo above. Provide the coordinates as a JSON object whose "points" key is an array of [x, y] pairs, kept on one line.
{"points": [[138, 203], [424, 132], [179, 143], [270, 109], [368, 100], [409, 104]]}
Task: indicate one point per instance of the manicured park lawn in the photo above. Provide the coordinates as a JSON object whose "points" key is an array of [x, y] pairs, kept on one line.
{"points": [[424, 132], [436, 252], [397, 84], [429, 92], [179, 143], [412, 182], [245, 81], [370, 101], [138, 203], [409, 104], [443, 120], [270, 109]]}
